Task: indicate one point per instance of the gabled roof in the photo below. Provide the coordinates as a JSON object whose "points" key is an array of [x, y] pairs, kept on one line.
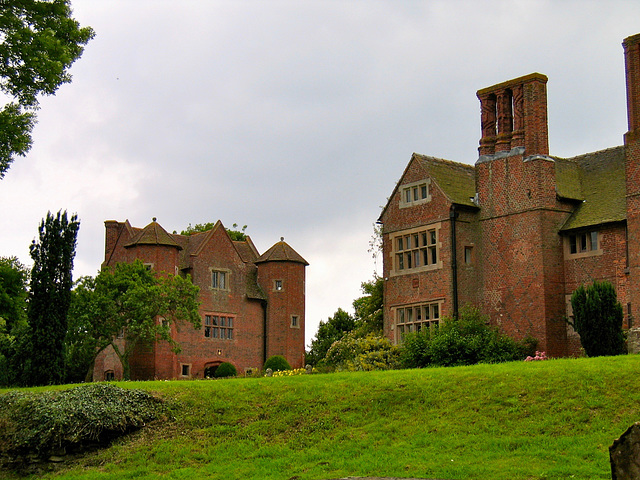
{"points": [[153, 234], [281, 252], [457, 181], [597, 180]]}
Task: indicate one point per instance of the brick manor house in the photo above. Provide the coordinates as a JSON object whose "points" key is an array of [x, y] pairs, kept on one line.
{"points": [[252, 305], [516, 233]]}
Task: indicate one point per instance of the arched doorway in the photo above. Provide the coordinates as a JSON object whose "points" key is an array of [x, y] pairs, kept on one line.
{"points": [[210, 369]]}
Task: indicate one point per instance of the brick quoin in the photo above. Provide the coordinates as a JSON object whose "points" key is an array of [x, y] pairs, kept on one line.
{"points": [[529, 227], [262, 314]]}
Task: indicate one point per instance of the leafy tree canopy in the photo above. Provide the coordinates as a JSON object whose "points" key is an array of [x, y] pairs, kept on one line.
{"points": [[328, 332], [234, 233], [39, 41], [130, 301], [13, 292], [368, 308]]}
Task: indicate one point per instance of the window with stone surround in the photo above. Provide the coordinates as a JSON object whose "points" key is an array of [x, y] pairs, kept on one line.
{"points": [[219, 279], [582, 244], [218, 326], [415, 193], [277, 285], [416, 250], [416, 318], [295, 321]]}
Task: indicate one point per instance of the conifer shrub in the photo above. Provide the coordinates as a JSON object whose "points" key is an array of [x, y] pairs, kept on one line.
{"points": [[41, 422], [277, 363], [465, 341], [224, 370], [597, 317]]}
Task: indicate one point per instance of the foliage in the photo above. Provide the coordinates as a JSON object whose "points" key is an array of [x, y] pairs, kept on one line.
{"points": [[225, 369], [328, 332], [133, 301], [13, 316], [368, 308], [40, 422], [465, 341], [234, 233], [13, 292], [276, 363], [39, 41], [50, 297], [293, 372], [353, 353], [597, 317]]}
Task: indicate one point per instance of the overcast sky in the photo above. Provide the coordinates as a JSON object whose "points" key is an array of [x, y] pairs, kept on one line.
{"points": [[297, 118]]}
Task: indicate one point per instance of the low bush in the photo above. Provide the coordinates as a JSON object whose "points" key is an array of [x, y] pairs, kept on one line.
{"points": [[224, 370], [465, 341], [38, 423], [277, 363], [353, 353]]}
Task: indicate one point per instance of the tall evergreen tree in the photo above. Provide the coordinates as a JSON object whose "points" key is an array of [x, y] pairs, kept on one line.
{"points": [[597, 317], [50, 297]]}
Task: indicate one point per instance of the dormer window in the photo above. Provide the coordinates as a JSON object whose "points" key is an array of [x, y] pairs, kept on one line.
{"points": [[415, 193]]}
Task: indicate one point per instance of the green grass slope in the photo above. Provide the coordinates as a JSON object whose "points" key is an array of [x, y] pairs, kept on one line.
{"points": [[534, 420]]}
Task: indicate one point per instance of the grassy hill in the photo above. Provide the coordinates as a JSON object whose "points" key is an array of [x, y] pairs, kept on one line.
{"points": [[534, 420]]}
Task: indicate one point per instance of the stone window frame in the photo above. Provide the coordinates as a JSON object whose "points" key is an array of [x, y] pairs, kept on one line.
{"points": [[278, 285], [415, 193], [185, 370], [219, 326], [416, 317], [295, 321], [469, 254], [400, 266], [579, 244], [214, 273]]}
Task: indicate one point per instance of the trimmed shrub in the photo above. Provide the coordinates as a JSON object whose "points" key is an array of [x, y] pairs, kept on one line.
{"points": [[41, 422], [277, 363], [597, 317], [225, 369]]}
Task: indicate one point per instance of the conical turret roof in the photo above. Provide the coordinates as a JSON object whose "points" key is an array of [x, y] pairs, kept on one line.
{"points": [[153, 234], [281, 252]]}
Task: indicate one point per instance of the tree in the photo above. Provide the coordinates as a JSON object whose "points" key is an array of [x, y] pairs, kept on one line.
{"points": [[130, 301], [597, 317], [234, 233], [368, 308], [50, 296], [39, 43], [328, 332], [13, 292], [13, 317]]}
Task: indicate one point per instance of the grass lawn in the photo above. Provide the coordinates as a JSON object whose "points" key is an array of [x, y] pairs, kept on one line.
{"points": [[525, 420]]}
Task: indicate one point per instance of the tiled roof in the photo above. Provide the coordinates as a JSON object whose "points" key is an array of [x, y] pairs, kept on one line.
{"points": [[598, 180], [457, 180], [281, 252], [153, 234]]}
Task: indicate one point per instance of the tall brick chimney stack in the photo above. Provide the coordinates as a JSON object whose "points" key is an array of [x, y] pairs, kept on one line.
{"points": [[631, 47], [514, 114]]}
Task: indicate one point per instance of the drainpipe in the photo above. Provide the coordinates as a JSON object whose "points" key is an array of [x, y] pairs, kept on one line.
{"points": [[265, 331], [454, 260]]}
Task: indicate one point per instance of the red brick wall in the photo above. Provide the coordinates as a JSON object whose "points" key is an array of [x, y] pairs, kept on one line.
{"points": [[246, 349], [420, 287], [282, 338]]}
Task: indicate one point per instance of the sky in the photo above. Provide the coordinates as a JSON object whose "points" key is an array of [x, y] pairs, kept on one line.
{"points": [[297, 118]]}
